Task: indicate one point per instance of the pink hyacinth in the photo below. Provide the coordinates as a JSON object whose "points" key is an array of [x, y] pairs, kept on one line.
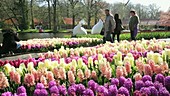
{"points": [[3, 81], [137, 76], [71, 77], [36, 75], [29, 79], [94, 75], [43, 80], [62, 73], [164, 66], [80, 75], [119, 71], [87, 74], [56, 73], [139, 65], [108, 74], [147, 69], [151, 63], [128, 67], [50, 76], [157, 69], [17, 78]]}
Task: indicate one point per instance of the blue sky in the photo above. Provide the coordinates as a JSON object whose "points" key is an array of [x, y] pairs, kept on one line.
{"points": [[163, 4]]}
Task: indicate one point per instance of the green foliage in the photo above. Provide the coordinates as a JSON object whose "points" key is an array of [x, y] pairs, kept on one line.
{"points": [[126, 36]]}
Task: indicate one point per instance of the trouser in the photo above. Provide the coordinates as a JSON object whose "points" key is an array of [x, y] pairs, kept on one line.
{"points": [[118, 36], [107, 38], [132, 35]]}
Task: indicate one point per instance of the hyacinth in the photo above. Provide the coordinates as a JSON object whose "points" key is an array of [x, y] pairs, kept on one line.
{"points": [[154, 91], [158, 85], [39, 86], [113, 90], [128, 67], [80, 75], [54, 89], [56, 72], [37, 92], [43, 80], [123, 91], [163, 92], [94, 75], [23, 94], [145, 90], [43, 92], [6, 94], [147, 69], [137, 76], [72, 90], [29, 79], [20, 90], [128, 84], [122, 80], [71, 77], [119, 71], [50, 76], [146, 78], [62, 90], [115, 81], [92, 85], [88, 92], [3, 81], [139, 84], [62, 73], [87, 73], [160, 78], [148, 83], [80, 88], [167, 83], [51, 84], [102, 90]]}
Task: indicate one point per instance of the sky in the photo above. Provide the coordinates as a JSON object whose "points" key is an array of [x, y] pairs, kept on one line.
{"points": [[163, 4]]}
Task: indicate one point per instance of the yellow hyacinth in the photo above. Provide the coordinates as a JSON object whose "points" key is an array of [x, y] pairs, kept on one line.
{"points": [[30, 66], [7, 68], [40, 65]]}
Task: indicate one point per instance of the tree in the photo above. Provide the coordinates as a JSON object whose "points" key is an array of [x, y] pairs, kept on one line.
{"points": [[54, 5], [32, 14]]}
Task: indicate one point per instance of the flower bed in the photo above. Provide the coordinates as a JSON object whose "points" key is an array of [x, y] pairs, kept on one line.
{"points": [[111, 69], [42, 45]]}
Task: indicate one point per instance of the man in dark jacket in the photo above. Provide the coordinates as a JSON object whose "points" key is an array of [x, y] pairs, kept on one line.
{"points": [[9, 41]]}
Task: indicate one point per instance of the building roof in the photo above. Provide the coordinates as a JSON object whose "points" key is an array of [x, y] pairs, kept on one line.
{"points": [[164, 19], [68, 21]]}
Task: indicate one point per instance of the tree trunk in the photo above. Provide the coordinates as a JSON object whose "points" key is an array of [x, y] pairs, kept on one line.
{"points": [[73, 17], [32, 15], [49, 14], [89, 20], [55, 16]]}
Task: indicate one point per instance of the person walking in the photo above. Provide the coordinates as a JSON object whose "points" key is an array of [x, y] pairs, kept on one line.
{"points": [[109, 26], [118, 29], [133, 24]]}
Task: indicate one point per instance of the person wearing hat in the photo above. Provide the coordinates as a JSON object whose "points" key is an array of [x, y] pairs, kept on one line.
{"points": [[9, 41], [109, 26], [133, 24]]}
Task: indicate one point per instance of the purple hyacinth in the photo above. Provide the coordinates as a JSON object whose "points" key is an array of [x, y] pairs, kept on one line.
{"points": [[139, 84], [113, 90], [51, 84], [122, 80], [103, 90], [115, 81], [39, 86], [167, 83], [146, 78], [160, 78], [163, 92], [72, 90], [123, 91], [148, 83], [36, 92], [43, 92], [158, 85], [88, 92], [62, 90], [20, 90], [6, 94], [23, 94], [54, 89], [154, 91], [80, 88], [145, 90], [92, 85], [128, 84], [106, 85]]}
